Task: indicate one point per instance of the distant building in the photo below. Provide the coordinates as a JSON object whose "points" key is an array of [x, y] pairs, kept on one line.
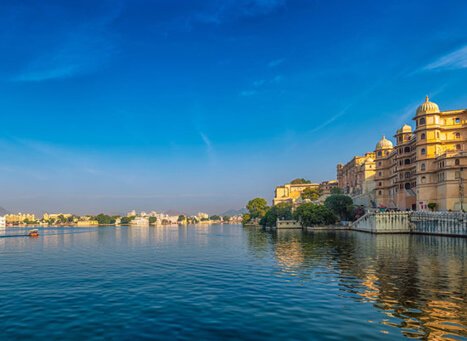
{"points": [[326, 187], [19, 218], [291, 192], [2, 222], [357, 179], [202, 216], [87, 223], [54, 216], [140, 221]]}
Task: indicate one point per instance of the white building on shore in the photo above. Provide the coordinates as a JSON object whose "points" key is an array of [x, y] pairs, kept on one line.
{"points": [[2, 222]]}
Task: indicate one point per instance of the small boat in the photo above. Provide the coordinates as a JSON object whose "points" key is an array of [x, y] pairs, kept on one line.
{"points": [[33, 233]]}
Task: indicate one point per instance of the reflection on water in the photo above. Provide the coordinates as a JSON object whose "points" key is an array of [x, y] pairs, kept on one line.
{"points": [[418, 281], [216, 282]]}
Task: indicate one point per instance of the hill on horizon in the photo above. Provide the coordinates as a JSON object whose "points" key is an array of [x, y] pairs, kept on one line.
{"points": [[233, 212], [3, 211]]}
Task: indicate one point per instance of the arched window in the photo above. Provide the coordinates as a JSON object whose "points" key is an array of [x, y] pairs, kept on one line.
{"points": [[407, 175], [407, 149], [457, 162], [423, 151], [407, 162], [407, 185], [458, 147], [458, 135], [379, 192], [423, 179], [379, 153], [423, 136], [457, 120], [422, 167], [422, 121], [380, 184]]}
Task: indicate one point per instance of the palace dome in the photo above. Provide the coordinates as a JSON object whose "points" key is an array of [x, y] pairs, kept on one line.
{"points": [[406, 128], [384, 143], [428, 107]]}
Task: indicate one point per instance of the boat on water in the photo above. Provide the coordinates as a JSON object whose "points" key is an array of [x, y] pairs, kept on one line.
{"points": [[33, 233]]}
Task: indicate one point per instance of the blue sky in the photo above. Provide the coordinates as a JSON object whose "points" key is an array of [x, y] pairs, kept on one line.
{"points": [[202, 105]]}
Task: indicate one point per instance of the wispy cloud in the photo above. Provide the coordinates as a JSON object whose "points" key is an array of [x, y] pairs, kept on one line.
{"points": [[454, 60], [82, 48], [275, 63], [248, 93], [259, 84], [228, 10], [206, 141]]}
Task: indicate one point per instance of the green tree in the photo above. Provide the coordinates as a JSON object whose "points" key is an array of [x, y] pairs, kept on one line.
{"points": [[226, 219], [311, 193], [300, 181], [246, 218], [282, 211], [215, 217], [181, 218], [152, 220], [341, 205], [257, 207], [104, 219], [432, 206], [310, 214], [336, 190], [126, 220]]}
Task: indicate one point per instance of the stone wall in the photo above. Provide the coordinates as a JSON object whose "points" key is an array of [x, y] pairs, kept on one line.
{"points": [[442, 223], [383, 222], [438, 223]]}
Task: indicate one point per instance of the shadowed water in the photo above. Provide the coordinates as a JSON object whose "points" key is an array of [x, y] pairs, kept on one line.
{"points": [[231, 282]]}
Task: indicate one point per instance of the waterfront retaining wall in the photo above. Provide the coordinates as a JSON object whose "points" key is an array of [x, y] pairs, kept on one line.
{"points": [[384, 222], [439, 223], [442, 223]]}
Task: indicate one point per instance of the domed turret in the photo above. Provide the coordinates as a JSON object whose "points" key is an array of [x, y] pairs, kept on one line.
{"points": [[406, 128], [428, 107], [384, 143]]}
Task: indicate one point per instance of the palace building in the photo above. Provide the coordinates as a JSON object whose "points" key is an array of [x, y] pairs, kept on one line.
{"points": [[291, 193], [357, 178], [425, 167]]}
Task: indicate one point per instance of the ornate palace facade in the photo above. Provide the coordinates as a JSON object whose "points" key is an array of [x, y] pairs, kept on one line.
{"points": [[426, 166]]}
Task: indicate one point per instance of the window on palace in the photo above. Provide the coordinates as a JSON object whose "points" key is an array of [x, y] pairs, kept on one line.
{"points": [[379, 192], [458, 135], [457, 162], [423, 136], [423, 151], [423, 179], [407, 185], [379, 153], [379, 163], [407, 149], [422, 167], [379, 173], [380, 184], [422, 121], [457, 120], [458, 147], [407, 175], [407, 162]]}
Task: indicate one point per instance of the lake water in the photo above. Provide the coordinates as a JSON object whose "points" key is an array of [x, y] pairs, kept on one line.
{"points": [[220, 282]]}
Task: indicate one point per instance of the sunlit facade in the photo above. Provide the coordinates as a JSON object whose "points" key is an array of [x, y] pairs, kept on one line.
{"points": [[425, 166], [290, 193]]}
